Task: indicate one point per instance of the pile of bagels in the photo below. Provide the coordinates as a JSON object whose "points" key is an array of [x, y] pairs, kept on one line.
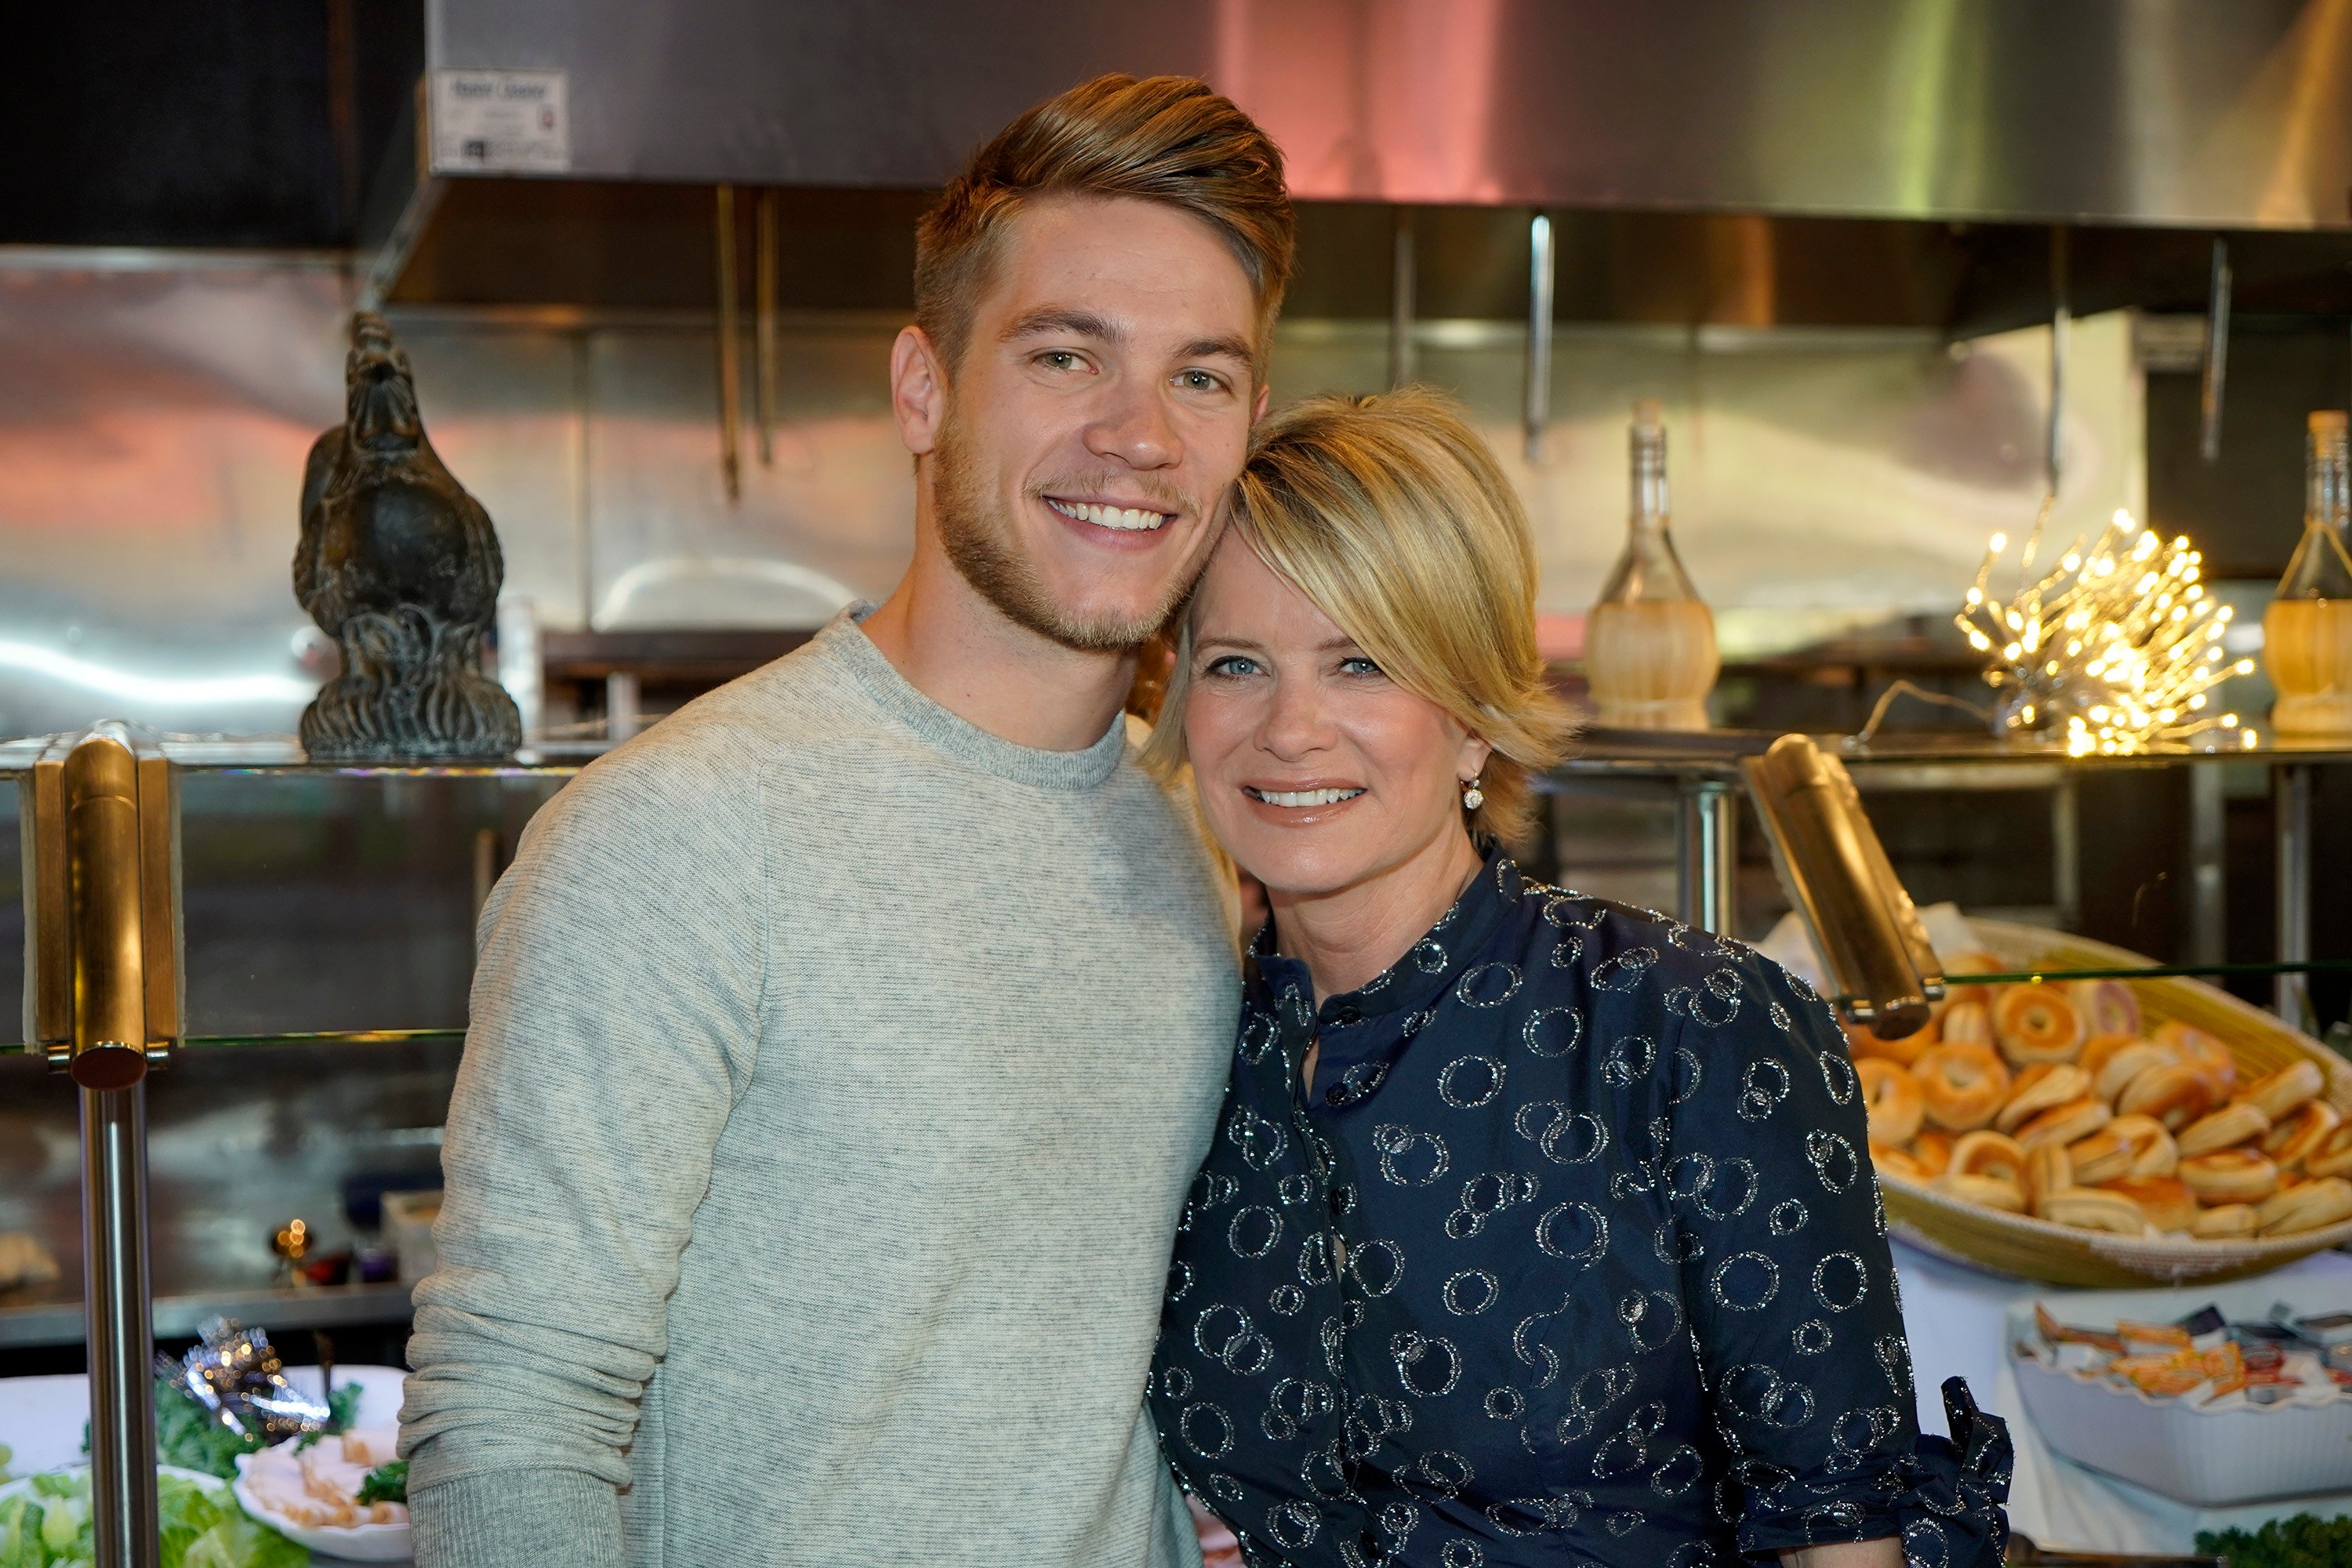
{"points": [[2052, 1100]]}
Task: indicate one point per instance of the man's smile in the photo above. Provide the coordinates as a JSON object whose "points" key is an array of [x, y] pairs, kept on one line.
{"points": [[1123, 518]]}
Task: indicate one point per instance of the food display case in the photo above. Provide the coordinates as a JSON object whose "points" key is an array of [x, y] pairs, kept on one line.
{"points": [[329, 916]]}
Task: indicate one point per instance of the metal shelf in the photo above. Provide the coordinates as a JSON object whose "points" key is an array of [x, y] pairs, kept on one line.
{"points": [[1715, 756], [328, 1038], [61, 1322], [1703, 770], [268, 756]]}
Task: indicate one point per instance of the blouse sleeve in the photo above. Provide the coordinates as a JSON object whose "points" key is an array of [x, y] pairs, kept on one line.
{"points": [[1774, 1214]]}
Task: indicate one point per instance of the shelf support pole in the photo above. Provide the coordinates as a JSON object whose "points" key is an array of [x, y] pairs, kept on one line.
{"points": [[1707, 871], [2291, 794], [2209, 836]]}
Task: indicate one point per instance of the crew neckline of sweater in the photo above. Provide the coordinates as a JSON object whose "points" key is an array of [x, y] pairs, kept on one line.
{"points": [[841, 640]]}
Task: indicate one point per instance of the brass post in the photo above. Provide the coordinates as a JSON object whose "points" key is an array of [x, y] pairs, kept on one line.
{"points": [[110, 984], [102, 904], [1881, 968]]}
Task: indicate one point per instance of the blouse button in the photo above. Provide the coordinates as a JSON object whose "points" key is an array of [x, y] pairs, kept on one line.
{"points": [[1335, 1095], [1346, 1013]]}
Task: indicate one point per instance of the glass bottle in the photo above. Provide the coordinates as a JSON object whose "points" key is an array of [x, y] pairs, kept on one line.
{"points": [[1648, 647], [2307, 630]]}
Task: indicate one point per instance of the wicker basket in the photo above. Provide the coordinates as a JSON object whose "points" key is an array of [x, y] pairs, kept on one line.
{"points": [[2028, 1248]]}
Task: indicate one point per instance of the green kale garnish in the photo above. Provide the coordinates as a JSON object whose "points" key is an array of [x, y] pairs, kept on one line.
{"points": [[195, 1439], [192, 1437], [385, 1483], [342, 1407], [2305, 1541]]}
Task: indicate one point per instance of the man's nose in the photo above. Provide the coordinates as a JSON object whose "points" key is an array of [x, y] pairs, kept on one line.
{"points": [[1133, 428]]}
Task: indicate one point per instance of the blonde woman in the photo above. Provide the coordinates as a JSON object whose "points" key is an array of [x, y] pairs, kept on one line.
{"points": [[1536, 1230]]}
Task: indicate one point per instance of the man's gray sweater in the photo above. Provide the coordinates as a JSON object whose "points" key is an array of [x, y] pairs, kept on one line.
{"points": [[836, 1073]]}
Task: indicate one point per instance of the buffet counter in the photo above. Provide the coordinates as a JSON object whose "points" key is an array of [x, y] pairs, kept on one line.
{"points": [[1954, 1314]]}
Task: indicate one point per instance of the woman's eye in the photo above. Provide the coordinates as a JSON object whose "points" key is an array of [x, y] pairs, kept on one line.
{"points": [[1356, 664], [1232, 665]]}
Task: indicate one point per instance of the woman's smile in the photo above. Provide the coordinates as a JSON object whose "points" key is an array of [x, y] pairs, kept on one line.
{"points": [[1301, 804]]}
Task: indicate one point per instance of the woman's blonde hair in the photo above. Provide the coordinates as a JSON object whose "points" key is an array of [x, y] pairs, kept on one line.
{"points": [[1391, 516]]}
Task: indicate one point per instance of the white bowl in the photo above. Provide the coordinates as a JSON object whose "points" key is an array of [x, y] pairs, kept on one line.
{"points": [[2206, 1458], [349, 1543]]}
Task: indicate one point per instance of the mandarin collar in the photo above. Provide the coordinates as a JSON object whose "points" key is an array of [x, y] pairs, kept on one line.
{"points": [[1280, 986]]}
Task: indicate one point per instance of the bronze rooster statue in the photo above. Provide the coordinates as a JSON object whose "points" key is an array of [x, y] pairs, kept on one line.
{"points": [[401, 567]]}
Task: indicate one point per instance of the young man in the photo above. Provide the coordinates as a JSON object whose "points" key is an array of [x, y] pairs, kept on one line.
{"points": [[843, 1047]]}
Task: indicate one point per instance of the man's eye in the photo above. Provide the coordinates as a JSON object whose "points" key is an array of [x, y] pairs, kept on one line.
{"points": [[1059, 359], [1232, 665], [1202, 381]]}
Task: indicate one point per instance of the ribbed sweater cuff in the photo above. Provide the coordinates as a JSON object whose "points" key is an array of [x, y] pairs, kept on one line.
{"points": [[516, 1519]]}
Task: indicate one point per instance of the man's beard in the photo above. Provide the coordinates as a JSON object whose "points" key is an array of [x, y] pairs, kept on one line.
{"points": [[981, 542]]}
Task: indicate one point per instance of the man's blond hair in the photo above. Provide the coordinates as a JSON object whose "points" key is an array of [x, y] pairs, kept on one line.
{"points": [[1167, 139], [1392, 517]]}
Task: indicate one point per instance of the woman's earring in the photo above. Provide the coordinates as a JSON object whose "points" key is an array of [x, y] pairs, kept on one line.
{"points": [[1473, 797]]}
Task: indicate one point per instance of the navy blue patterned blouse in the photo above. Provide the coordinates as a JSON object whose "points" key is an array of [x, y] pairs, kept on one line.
{"points": [[1573, 1254]]}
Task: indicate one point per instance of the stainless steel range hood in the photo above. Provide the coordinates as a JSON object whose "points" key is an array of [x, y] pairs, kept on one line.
{"points": [[2196, 114], [2223, 113]]}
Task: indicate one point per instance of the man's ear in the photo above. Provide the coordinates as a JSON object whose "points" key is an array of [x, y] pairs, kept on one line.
{"points": [[918, 389], [1265, 396]]}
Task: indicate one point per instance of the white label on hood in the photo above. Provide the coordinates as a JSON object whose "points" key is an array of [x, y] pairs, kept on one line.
{"points": [[500, 122]]}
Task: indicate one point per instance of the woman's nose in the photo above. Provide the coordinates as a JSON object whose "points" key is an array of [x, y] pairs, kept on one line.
{"points": [[1133, 428], [1294, 725]]}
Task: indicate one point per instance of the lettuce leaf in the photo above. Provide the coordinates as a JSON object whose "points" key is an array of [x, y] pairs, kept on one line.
{"points": [[65, 1530], [199, 1528], [184, 1510], [239, 1542], [20, 1534]]}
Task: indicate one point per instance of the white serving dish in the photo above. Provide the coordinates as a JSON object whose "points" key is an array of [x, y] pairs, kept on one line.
{"points": [[349, 1544], [42, 1419], [2206, 1458]]}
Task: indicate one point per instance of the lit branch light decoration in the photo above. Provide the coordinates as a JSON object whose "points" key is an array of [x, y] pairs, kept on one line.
{"points": [[2120, 644]]}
